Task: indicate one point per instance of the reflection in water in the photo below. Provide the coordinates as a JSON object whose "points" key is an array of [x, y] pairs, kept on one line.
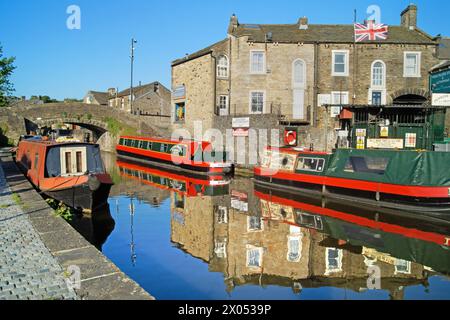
{"points": [[95, 228], [209, 240]]}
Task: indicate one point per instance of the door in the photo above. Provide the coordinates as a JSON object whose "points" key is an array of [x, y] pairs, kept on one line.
{"points": [[376, 98], [299, 104], [73, 161]]}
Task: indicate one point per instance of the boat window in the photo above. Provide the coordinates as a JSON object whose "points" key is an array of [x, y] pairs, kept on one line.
{"points": [[163, 148], [156, 146], [73, 161], [311, 164], [149, 145], [144, 145], [122, 141], [129, 143], [365, 164]]}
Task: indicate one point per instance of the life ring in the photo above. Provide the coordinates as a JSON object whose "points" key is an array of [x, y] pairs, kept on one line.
{"points": [[291, 138]]}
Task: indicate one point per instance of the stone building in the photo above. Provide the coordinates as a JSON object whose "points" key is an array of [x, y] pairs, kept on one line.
{"points": [[280, 76], [149, 99]]}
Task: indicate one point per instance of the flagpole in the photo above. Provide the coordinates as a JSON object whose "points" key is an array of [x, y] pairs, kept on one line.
{"points": [[355, 55]]}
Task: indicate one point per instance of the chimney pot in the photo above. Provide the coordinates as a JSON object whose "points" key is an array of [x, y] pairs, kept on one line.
{"points": [[303, 23]]}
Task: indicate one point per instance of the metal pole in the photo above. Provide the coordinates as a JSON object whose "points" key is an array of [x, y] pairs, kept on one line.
{"points": [[133, 41]]}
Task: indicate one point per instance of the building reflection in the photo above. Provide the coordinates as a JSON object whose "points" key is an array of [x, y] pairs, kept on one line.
{"points": [[254, 235]]}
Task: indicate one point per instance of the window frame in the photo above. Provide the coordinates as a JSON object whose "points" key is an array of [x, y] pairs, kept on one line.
{"points": [[418, 67], [345, 101], [383, 75], [264, 69], [251, 101], [346, 72], [299, 85], [225, 67]]}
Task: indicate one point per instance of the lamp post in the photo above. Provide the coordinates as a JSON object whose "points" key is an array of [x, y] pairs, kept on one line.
{"points": [[133, 42]]}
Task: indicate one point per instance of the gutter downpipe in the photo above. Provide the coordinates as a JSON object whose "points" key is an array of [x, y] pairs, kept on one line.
{"points": [[316, 84]]}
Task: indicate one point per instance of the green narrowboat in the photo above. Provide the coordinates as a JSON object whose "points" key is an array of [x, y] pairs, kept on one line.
{"points": [[409, 179]]}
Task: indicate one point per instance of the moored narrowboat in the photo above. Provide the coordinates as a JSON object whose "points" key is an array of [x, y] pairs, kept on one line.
{"points": [[70, 172], [197, 157], [391, 178]]}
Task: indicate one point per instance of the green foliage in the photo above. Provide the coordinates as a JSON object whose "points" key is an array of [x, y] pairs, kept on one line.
{"points": [[17, 200], [89, 116], [61, 210], [6, 69], [4, 141]]}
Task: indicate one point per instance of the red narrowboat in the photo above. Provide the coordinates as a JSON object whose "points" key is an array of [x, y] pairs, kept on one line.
{"points": [[412, 180], [197, 157], [70, 172]]}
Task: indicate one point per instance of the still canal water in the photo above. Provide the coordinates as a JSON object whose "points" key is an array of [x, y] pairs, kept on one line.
{"points": [[183, 240]]}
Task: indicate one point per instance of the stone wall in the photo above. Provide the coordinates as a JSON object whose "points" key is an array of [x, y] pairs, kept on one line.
{"points": [[277, 82], [358, 83], [198, 77]]}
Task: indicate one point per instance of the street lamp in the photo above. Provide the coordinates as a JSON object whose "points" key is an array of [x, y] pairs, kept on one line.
{"points": [[133, 42]]}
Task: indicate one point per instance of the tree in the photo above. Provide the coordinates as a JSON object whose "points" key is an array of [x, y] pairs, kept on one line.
{"points": [[6, 69]]}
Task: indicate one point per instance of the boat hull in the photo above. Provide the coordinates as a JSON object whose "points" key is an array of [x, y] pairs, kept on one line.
{"points": [[81, 197], [435, 207], [191, 168]]}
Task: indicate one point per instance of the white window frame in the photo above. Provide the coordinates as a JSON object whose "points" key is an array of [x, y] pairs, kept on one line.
{"points": [[344, 101], [249, 227], [346, 61], [400, 262], [419, 64], [220, 249], [261, 253], [73, 151], [329, 270], [250, 101], [383, 78], [225, 67], [264, 70], [226, 111]]}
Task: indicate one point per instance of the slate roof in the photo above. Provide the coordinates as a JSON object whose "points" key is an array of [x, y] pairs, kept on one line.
{"points": [[141, 90], [198, 54], [101, 97], [323, 33], [444, 49]]}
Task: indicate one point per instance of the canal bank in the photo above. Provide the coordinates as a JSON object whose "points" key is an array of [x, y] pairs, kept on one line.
{"points": [[39, 248]]}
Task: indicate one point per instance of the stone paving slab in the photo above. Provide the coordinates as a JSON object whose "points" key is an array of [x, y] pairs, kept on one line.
{"points": [[60, 246], [28, 271]]}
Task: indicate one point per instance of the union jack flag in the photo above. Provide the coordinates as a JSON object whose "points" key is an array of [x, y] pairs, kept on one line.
{"points": [[370, 31]]}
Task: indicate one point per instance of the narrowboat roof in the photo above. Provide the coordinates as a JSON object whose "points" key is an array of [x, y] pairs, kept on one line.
{"points": [[162, 140], [51, 143], [299, 151]]}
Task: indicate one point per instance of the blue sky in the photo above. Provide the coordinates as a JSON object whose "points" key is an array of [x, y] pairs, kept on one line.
{"points": [[53, 60]]}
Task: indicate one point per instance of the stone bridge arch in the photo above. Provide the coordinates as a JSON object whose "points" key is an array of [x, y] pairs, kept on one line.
{"points": [[101, 120]]}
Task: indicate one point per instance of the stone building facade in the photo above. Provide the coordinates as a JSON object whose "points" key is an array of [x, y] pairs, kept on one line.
{"points": [[291, 71], [149, 99]]}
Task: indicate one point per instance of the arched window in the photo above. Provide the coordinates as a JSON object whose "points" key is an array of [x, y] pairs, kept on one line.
{"points": [[299, 73], [222, 67], [378, 74]]}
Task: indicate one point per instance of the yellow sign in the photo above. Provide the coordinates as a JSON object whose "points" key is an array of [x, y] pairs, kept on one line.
{"points": [[384, 132], [361, 143]]}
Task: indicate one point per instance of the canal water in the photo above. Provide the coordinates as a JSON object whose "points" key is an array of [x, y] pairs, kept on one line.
{"points": [[181, 239]]}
